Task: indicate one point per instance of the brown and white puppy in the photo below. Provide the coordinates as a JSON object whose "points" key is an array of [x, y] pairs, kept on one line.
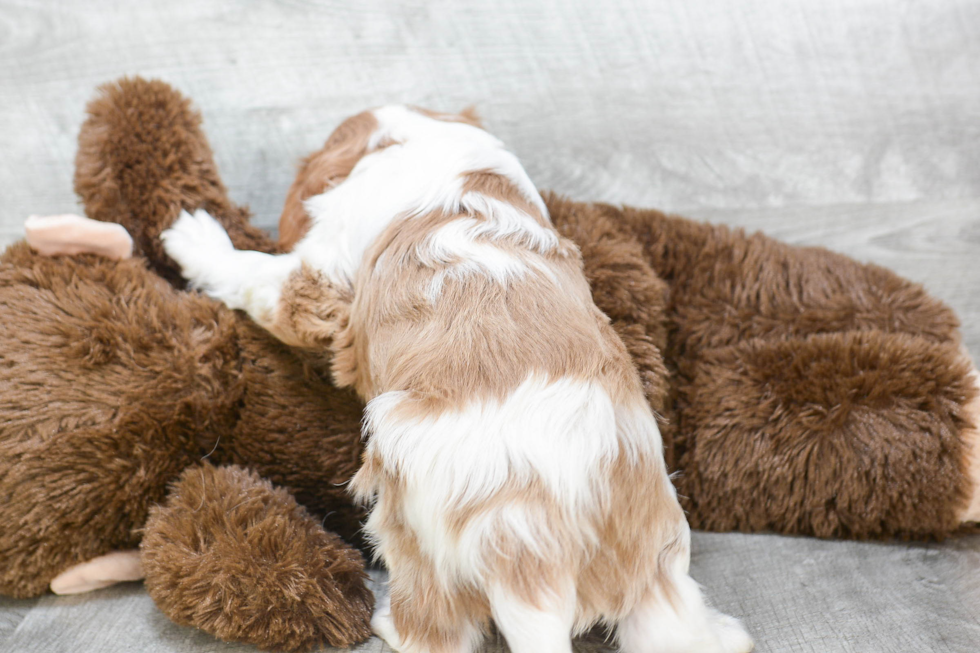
{"points": [[516, 469]]}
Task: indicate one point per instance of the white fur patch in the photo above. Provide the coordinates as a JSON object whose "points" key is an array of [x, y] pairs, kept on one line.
{"points": [[402, 124], [559, 433], [246, 280], [503, 220], [422, 173], [545, 628], [455, 243], [455, 253]]}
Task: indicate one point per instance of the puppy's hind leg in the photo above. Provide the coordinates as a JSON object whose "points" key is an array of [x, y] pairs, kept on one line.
{"points": [[540, 626], [673, 618], [423, 618]]}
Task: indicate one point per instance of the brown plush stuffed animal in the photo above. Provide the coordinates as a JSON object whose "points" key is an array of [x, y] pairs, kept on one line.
{"points": [[801, 393]]}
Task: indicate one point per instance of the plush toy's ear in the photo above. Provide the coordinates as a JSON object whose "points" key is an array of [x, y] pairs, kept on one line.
{"points": [[142, 157]]}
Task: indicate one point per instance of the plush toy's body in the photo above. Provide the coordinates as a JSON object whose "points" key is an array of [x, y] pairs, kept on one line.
{"points": [[811, 394], [802, 393]]}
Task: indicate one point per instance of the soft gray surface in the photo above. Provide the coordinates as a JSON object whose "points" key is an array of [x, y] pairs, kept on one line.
{"points": [[853, 124]]}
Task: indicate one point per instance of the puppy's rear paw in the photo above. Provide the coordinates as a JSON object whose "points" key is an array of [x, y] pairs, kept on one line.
{"points": [[731, 634]]}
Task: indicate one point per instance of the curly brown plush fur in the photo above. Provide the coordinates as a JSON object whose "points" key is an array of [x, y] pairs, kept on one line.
{"points": [[115, 382], [109, 386], [142, 158], [232, 555], [857, 430], [810, 394]]}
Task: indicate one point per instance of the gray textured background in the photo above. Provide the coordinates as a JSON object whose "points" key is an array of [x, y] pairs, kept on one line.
{"points": [[853, 124]]}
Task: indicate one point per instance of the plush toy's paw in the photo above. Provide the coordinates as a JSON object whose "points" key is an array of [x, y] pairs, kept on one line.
{"points": [[73, 234], [112, 568], [232, 555], [880, 405], [200, 246]]}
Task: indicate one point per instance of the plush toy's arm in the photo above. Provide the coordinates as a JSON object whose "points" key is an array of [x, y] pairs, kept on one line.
{"points": [[240, 559], [142, 158]]}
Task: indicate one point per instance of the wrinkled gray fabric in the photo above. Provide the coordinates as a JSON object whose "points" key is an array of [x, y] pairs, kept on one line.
{"points": [[853, 124]]}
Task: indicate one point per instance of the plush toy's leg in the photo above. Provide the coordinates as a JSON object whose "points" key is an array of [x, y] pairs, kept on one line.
{"points": [[72, 234], [232, 555], [295, 304], [112, 568], [859, 434]]}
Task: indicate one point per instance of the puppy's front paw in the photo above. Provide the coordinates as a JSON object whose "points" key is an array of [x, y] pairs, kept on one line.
{"points": [[198, 244]]}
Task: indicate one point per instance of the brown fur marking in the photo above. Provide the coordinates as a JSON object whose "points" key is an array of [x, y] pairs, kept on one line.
{"points": [[322, 170]]}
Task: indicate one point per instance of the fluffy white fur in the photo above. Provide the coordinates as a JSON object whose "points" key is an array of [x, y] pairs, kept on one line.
{"points": [[539, 628], [486, 443], [455, 244], [682, 623], [245, 280]]}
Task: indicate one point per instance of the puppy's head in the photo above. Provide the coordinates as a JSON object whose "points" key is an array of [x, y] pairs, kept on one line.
{"points": [[351, 141], [467, 116]]}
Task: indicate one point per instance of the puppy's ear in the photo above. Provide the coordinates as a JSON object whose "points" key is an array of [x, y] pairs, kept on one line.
{"points": [[471, 117]]}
